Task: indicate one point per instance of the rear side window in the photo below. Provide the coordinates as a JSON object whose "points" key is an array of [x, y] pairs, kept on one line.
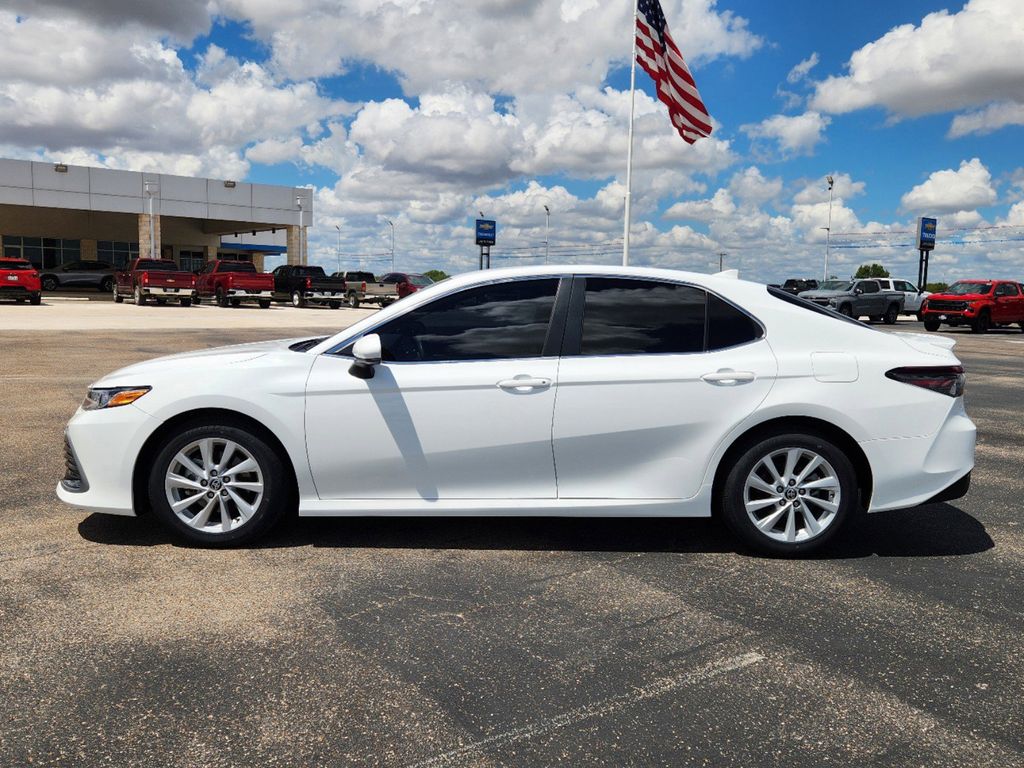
{"points": [[489, 322], [1007, 289], [629, 317], [728, 326]]}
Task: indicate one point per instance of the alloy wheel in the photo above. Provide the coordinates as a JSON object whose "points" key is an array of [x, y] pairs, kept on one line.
{"points": [[214, 485], [792, 495]]}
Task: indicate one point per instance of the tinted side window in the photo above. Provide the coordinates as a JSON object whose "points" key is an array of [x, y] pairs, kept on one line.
{"points": [[629, 317], [1006, 289], [869, 286], [490, 322], [727, 326]]}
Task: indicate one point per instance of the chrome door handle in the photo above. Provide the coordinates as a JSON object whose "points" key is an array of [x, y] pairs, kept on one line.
{"points": [[728, 377], [523, 383]]}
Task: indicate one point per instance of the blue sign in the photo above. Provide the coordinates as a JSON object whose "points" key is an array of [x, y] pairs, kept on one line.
{"points": [[926, 234], [486, 231]]}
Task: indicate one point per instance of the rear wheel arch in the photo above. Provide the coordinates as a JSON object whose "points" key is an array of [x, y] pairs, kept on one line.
{"points": [[802, 425], [201, 417]]}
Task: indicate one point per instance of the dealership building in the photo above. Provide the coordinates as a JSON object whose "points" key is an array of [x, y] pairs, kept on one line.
{"points": [[54, 214]]}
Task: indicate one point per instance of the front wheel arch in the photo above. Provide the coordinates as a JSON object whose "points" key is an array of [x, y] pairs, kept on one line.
{"points": [[801, 424], [200, 417]]}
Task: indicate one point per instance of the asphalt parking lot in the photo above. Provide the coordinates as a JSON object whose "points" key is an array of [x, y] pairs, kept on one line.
{"points": [[490, 642]]}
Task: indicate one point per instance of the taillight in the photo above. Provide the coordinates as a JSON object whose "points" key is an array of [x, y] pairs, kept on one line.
{"points": [[363, 288], [193, 281], [309, 283], [145, 278], [945, 379]]}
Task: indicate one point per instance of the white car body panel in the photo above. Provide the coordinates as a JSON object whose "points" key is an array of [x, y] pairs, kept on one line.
{"points": [[617, 435]]}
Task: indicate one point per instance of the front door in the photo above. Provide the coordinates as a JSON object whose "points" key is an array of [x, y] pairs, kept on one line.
{"points": [[658, 373], [459, 408]]}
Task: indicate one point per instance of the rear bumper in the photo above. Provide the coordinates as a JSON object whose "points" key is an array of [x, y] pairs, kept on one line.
{"points": [[243, 294], [911, 471], [156, 290], [17, 291], [957, 490], [324, 295]]}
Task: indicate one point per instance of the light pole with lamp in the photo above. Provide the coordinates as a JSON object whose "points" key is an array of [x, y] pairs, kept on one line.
{"points": [[547, 234], [828, 229], [392, 243], [338, 252]]}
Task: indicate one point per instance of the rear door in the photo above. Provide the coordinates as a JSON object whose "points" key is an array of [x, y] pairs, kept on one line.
{"points": [[1007, 308], [653, 375]]}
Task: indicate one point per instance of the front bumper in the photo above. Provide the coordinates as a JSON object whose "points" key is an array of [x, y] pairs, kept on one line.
{"points": [[916, 470], [105, 445]]}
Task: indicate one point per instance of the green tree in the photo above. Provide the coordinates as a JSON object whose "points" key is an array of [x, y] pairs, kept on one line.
{"points": [[871, 270], [436, 275], [936, 287]]}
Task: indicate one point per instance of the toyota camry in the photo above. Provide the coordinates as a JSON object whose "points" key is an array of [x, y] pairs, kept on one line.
{"points": [[588, 391]]}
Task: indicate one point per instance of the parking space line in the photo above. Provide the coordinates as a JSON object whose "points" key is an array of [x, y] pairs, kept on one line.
{"points": [[658, 687]]}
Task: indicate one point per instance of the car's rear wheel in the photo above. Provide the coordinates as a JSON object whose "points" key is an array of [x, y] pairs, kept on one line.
{"points": [[353, 300], [35, 299], [298, 300], [222, 299], [118, 298], [334, 304], [186, 302], [981, 323], [264, 303], [107, 285], [197, 299], [219, 485], [892, 314], [789, 494], [140, 297]]}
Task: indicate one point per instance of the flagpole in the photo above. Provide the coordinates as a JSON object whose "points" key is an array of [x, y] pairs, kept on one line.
{"points": [[629, 151]]}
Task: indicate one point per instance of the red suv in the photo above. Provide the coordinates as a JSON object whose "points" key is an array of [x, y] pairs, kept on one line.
{"points": [[407, 282], [980, 304], [19, 280]]}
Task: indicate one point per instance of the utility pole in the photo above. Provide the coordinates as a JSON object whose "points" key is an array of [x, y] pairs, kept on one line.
{"points": [[392, 243], [338, 252], [721, 261], [828, 229], [547, 235]]}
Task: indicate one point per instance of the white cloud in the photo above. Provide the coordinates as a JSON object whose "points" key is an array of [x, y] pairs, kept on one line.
{"points": [[795, 135], [751, 187], [719, 205], [801, 70], [948, 62], [948, 191], [987, 120]]}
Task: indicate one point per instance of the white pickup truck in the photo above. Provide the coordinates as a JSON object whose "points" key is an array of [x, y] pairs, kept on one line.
{"points": [[912, 298], [364, 288]]}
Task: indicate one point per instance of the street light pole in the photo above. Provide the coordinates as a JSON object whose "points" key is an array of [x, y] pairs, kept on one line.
{"points": [[392, 243], [828, 229], [721, 261], [547, 235], [339, 246]]}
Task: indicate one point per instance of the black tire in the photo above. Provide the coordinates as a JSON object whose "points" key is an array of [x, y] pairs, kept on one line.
{"points": [[846, 310], [35, 299], [221, 298], [140, 297], [278, 493], [185, 302], [106, 285], [334, 304], [50, 283], [731, 503], [197, 299], [875, 318], [298, 300], [353, 300], [161, 302], [118, 298], [1021, 324], [264, 303], [932, 325], [20, 301], [981, 323], [235, 302], [892, 314]]}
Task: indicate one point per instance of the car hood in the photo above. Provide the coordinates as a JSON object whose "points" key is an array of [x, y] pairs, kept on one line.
{"points": [[194, 362], [959, 296]]}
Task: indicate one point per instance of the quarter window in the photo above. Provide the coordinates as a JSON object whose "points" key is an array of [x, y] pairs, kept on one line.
{"points": [[628, 317], [727, 326], [490, 322]]}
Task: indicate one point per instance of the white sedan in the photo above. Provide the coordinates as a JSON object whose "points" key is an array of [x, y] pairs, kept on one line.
{"points": [[539, 391]]}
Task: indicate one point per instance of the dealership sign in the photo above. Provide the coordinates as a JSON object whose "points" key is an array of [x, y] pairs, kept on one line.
{"points": [[486, 231], [926, 234]]}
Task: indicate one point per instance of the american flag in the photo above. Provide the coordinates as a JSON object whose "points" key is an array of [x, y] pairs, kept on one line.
{"points": [[660, 58]]}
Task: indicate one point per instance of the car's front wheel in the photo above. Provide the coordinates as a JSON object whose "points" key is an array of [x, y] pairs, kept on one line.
{"points": [[219, 485], [789, 494], [931, 325], [50, 283]]}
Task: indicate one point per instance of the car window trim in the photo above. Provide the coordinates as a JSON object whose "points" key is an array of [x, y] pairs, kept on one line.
{"points": [[337, 349], [573, 339]]}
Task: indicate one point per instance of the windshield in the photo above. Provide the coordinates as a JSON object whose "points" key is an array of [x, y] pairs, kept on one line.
{"points": [[18, 265], [420, 280], [236, 266], [157, 265], [962, 289], [835, 285]]}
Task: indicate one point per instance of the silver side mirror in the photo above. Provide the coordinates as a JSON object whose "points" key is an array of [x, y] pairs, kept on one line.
{"points": [[367, 354]]}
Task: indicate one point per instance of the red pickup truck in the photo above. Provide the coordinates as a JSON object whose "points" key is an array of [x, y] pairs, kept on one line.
{"points": [[161, 279], [19, 280], [980, 304], [230, 283]]}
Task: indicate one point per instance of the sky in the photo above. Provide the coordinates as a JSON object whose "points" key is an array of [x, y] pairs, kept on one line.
{"points": [[426, 112]]}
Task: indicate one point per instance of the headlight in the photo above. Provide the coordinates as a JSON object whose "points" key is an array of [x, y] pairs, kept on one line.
{"points": [[112, 397]]}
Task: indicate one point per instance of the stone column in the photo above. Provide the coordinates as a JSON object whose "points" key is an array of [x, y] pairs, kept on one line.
{"points": [[144, 252], [89, 250], [257, 261], [296, 243]]}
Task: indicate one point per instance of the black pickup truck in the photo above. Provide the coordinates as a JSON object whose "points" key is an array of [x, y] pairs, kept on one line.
{"points": [[302, 285]]}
